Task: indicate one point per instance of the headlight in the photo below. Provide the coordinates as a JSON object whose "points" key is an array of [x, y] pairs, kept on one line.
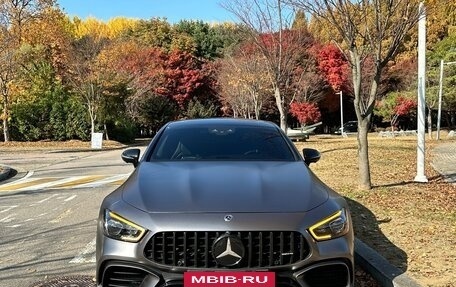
{"points": [[331, 227], [119, 228]]}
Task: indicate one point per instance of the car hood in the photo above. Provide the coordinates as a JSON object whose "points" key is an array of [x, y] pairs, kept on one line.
{"points": [[188, 187]]}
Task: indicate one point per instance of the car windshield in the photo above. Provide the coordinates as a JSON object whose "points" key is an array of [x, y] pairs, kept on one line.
{"points": [[222, 143]]}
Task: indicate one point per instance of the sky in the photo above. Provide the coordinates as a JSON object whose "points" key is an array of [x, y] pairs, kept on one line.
{"points": [[173, 10]]}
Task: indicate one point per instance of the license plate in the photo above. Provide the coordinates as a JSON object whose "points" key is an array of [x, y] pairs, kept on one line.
{"points": [[229, 279]]}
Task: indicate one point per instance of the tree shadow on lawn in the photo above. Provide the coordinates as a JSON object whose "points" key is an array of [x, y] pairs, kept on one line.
{"points": [[367, 229], [402, 183]]}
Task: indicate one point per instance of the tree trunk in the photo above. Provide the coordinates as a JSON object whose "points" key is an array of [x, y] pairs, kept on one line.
{"points": [[363, 154], [452, 120], [281, 108], [92, 121], [6, 134], [363, 123], [106, 131], [429, 122]]}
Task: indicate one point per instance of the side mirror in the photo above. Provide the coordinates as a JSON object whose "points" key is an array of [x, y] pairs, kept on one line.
{"points": [[311, 155], [131, 156]]}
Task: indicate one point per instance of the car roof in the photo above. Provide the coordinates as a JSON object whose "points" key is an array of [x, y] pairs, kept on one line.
{"points": [[223, 121]]}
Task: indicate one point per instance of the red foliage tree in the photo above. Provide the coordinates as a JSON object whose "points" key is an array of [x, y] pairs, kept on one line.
{"points": [[144, 68], [404, 106], [333, 64], [176, 75], [183, 76], [306, 113]]}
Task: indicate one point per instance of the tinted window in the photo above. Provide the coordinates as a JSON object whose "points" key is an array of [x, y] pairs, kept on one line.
{"points": [[222, 143]]}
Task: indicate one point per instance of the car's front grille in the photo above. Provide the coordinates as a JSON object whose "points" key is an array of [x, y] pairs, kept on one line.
{"points": [[194, 249]]}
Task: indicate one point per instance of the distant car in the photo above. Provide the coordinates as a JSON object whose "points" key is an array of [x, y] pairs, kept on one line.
{"points": [[223, 195], [349, 127]]}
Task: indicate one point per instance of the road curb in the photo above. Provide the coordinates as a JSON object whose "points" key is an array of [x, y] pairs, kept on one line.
{"points": [[381, 270]]}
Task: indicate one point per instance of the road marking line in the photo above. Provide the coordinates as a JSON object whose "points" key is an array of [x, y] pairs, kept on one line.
{"points": [[7, 208], [57, 180], [7, 219], [26, 184], [47, 198], [108, 180], [87, 255], [25, 178], [34, 184], [80, 181], [70, 198]]}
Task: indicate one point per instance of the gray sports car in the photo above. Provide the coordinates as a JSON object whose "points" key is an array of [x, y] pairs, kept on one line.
{"points": [[223, 202]]}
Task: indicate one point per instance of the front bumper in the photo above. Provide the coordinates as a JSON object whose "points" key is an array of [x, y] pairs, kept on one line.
{"points": [[123, 264], [335, 273]]}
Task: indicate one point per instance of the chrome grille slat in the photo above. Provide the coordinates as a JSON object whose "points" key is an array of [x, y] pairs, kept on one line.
{"points": [[194, 249]]}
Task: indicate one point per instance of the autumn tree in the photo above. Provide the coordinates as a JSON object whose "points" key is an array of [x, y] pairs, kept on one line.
{"points": [[175, 75], [184, 77], [269, 25], [236, 102], [307, 83], [119, 26], [306, 113], [155, 32], [332, 63], [14, 15], [440, 23], [243, 80], [88, 77], [374, 29], [53, 33], [394, 106], [43, 109]]}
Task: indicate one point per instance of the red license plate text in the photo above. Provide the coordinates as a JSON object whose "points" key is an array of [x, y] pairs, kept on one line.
{"points": [[229, 279]]}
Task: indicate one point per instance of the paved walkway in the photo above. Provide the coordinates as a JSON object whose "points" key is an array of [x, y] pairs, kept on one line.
{"points": [[444, 160]]}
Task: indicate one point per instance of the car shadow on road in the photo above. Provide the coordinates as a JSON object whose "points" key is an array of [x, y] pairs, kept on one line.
{"points": [[367, 228]]}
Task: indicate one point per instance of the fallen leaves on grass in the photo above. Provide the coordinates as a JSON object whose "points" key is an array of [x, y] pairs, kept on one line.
{"points": [[413, 225]]}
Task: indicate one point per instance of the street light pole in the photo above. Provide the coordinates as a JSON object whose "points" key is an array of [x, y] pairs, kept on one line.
{"points": [[439, 113], [341, 114], [421, 112]]}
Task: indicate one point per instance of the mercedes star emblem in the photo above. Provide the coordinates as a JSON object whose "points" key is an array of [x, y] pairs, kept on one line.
{"points": [[228, 250], [228, 217]]}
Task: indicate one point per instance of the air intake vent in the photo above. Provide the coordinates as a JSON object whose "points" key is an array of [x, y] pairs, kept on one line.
{"points": [[123, 277], [336, 275]]}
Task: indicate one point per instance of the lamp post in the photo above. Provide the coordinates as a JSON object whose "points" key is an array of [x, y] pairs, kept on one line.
{"points": [[341, 114], [439, 113]]}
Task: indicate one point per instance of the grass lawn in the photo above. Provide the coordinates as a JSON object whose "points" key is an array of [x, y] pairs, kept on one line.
{"points": [[413, 225]]}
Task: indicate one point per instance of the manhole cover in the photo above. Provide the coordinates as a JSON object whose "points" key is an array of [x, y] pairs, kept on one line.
{"points": [[67, 281]]}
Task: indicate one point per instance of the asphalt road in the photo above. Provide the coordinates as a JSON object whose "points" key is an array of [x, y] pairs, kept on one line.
{"points": [[48, 212]]}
